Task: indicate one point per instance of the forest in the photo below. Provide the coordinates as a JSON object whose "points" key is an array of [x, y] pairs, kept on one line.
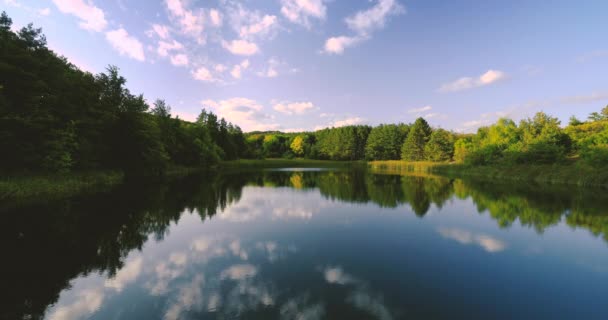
{"points": [[56, 118], [537, 140]]}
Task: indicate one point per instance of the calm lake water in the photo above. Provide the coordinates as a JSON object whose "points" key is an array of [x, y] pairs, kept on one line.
{"points": [[310, 244]]}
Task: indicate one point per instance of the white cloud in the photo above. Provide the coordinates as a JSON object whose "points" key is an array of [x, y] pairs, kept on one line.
{"points": [[342, 123], [488, 243], [300, 11], [220, 68], [262, 27], [164, 47], [237, 69], [246, 113], [126, 275], [239, 272], [44, 12], [203, 74], [337, 45], [125, 44], [275, 66], [216, 18], [161, 31], [271, 73], [293, 107], [348, 122], [88, 302], [465, 83], [191, 23], [364, 22], [419, 110], [179, 60], [241, 47], [190, 295], [373, 304], [335, 275], [92, 18]]}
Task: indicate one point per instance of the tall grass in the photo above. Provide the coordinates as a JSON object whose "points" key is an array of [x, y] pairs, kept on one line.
{"points": [[290, 163], [576, 173], [16, 188]]}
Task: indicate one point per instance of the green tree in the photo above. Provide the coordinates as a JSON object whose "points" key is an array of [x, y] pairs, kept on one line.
{"points": [[417, 138], [297, 146], [385, 141], [440, 146]]}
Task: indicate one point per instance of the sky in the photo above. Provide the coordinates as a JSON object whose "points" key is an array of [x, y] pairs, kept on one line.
{"points": [[296, 65]]}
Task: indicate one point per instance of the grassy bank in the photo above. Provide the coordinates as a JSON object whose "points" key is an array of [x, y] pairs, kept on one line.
{"points": [[568, 174], [55, 186], [289, 163]]}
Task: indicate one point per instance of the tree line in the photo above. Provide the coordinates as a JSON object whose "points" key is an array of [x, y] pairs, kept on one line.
{"points": [[55, 117], [537, 140]]}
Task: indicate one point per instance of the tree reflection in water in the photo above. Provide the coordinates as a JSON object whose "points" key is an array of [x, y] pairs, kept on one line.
{"points": [[47, 244]]}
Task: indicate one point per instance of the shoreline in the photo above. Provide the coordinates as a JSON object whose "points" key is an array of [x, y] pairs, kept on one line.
{"points": [[575, 174], [45, 187]]}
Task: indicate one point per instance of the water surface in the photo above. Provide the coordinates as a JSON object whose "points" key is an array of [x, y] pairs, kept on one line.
{"points": [[310, 244]]}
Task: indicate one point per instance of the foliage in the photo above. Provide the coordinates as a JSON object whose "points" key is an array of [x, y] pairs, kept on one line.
{"points": [[385, 141], [414, 147], [440, 146], [55, 118]]}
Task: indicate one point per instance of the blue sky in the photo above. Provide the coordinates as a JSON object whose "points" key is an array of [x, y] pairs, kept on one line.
{"points": [[307, 64]]}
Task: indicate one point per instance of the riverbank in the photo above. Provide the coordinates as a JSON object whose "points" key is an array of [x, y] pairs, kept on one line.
{"points": [[40, 187], [289, 163], [575, 173], [57, 186]]}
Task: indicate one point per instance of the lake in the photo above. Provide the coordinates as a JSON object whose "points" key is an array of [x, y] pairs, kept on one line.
{"points": [[309, 244]]}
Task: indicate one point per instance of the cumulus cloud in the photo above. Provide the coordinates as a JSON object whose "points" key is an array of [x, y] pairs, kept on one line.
{"points": [[335, 275], [274, 68], [488, 243], [262, 27], [126, 275], [190, 295], [337, 45], [299, 308], [92, 18], [238, 69], [348, 122], [364, 23], [125, 44], [215, 17], [302, 11], [190, 22], [179, 60], [420, 110], [220, 68], [374, 18], [241, 47], [239, 272], [161, 31], [246, 113], [203, 74], [164, 47], [294, 107], [88, 302], [251, 24], [465, 83]]}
